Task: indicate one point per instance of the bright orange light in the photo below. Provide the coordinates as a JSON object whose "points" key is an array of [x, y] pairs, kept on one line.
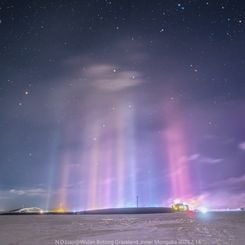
{"points": [[59, 210]]}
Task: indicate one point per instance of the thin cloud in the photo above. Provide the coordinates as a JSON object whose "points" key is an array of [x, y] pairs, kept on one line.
{"points": [[201, 159], [210, 160], [192, 157], [241, 146], [110, 78], [28, 192]]}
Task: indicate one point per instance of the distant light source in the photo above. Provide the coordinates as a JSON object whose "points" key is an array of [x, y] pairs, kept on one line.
{"points": [[177, 201], [203, 210], [180, 207]]}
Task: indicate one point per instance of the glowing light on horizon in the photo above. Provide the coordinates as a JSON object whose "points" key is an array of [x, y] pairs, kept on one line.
{"points": [[131, 157], [203, 210], [120, 160], [107, 168], [63, 204], [108, 174], [93, 170], [52, 169], [177, 201], [174, 139], [110, 170]]}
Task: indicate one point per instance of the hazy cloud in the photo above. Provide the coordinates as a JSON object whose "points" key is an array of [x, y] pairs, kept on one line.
{"points": [[28, 192], [197, 157], [241, 146], [210, 160], [110, 78]]}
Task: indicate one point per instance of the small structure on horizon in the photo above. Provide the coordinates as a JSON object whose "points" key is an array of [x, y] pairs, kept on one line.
{"points": [[29, 210], [180, 207]]}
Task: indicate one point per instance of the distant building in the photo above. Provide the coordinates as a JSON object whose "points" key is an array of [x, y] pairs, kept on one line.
{"points": [[180, 207]]}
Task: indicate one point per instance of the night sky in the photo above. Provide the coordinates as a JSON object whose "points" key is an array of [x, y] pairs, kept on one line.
{"points": [[102, 101]]}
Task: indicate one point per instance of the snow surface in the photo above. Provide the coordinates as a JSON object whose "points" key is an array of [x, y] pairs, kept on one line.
{"points": [[150, 229]]}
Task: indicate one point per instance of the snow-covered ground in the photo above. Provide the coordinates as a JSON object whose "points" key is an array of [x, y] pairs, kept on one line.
{"points": [[150, 229]]}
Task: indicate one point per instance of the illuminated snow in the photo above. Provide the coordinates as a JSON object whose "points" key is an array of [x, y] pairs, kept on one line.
{"points": [[209, 228]]}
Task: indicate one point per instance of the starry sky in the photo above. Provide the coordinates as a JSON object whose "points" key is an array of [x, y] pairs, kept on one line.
{"points": [[105, 100]]}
